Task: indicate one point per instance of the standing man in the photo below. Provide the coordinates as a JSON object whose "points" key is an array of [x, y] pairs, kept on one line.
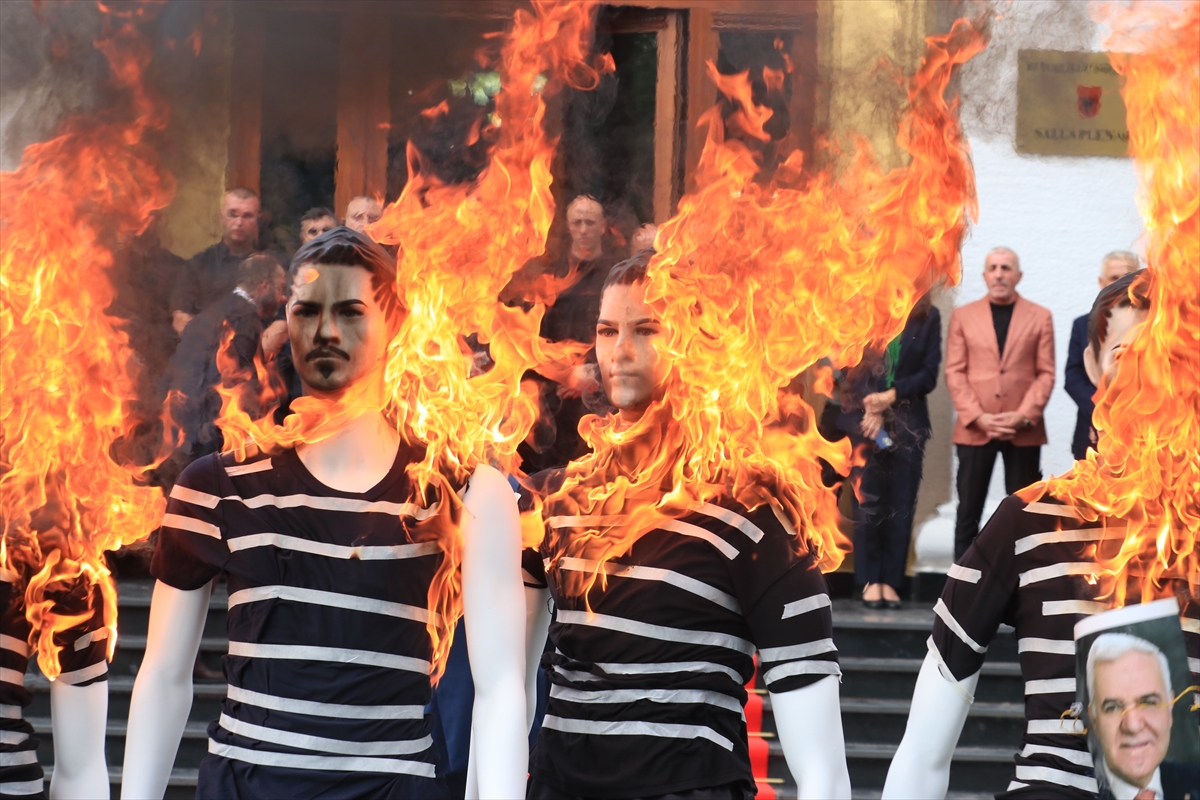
{"points": [[362, 211], [315, 222], [1000, 371], [193, 372], [570, 286], [1115, 265], [209, 275]]}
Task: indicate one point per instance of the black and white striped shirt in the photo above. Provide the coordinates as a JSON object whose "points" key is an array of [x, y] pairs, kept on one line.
{"points": [[1030, 568], [329, 656], [647, 690], [83, 660]]}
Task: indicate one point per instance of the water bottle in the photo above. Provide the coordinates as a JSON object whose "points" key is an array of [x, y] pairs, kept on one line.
{"points": [[883, 441]]}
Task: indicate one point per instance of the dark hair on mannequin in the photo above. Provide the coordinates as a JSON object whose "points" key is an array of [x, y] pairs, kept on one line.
{"points": [[344, 247], [630, 271], [255, 270], [1130, 291]]}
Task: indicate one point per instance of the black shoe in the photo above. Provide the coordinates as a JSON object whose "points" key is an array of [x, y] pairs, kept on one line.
{"points": [[892, 605], [874, 605]]}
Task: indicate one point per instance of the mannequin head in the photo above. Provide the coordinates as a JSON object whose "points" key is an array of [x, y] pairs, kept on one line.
{"points": [[1118, 313], [343, 311], [629, 341]]}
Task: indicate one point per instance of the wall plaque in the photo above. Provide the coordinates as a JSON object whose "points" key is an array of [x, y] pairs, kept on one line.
{"points": [[1069, 104]]}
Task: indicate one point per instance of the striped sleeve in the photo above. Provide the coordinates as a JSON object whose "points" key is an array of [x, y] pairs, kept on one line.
{"points": [[786, 605], [191, 549], [84, 653], [979, 591]]}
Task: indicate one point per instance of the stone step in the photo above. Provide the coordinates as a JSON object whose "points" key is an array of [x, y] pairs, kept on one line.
{"points": [[972, 770], [192, 746], [896, 678], [206, 698], [882, 721], [180, 786]]}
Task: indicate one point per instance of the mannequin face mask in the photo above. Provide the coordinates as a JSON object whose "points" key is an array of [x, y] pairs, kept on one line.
{"points": [[338, 330], [1123, 325], [629, 337]]}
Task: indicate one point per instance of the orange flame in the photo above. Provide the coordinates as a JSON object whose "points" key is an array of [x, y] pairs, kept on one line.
{"points": [[65, 366], [1145, 469], [756, 281], [459, 246]]}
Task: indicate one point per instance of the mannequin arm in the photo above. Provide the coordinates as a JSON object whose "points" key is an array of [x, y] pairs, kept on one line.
{"points": [[78, 716], [537, 625], [809, 722], [494, 607], [162, 693], [921, 766]]}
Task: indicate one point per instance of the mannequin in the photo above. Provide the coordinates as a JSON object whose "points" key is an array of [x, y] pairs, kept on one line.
{"points": [[341, 316], [631, 662], [78, 702], [1010, 575]]}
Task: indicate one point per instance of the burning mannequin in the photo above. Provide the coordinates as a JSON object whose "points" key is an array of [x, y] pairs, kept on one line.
{"points": [[331, 607], [1034, 567], [646, 695], [78, 697]]}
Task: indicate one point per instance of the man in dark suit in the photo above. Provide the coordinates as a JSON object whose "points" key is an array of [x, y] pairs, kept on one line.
{"points": [[194, 373], [1115, 265], [888, 395]]}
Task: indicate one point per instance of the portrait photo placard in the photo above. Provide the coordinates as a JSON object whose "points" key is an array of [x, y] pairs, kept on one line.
{"points": [[1132, 679]]}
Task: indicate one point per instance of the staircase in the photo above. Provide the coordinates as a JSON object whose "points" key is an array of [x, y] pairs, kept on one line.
{"points": [[880, 654]]}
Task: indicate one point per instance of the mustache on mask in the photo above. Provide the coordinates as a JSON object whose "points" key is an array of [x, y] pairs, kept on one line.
{"points": [[327, 351]]}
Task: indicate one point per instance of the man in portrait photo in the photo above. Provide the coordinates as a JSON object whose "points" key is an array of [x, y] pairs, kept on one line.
{"points": [[1130, 706]]}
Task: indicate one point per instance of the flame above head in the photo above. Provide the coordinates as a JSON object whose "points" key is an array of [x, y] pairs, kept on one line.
{"points": [[66, 368], [459, 245], [758, 280], [1145, 469]]}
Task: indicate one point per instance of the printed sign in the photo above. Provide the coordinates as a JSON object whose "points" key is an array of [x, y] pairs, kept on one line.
{"points": [[1134, 693], [1069, 104]]}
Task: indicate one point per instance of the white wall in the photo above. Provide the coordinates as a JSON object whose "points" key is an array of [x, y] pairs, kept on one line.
{"points": [[1061, 215]]}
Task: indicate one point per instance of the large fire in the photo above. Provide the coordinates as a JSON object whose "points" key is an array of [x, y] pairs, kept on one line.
{"points": [[459, 246], [66, 370], [758, 280], [1145, 468]]}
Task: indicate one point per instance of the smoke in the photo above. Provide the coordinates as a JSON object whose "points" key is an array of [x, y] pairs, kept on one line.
{"points": [[989, 81], [49, 70]]}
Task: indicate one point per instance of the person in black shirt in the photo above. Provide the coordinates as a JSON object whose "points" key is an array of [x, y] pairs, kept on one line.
{"points": [[194, 372], [1000, 372], [570, 286], [658, 618], [209, 275], [887, 395]]}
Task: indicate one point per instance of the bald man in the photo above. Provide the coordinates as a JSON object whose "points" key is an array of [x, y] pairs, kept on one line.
{"points": [[209, 274], [570, 286], [1000, 372]]}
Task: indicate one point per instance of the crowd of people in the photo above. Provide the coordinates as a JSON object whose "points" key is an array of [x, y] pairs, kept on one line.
{"points": [[628, 687]]}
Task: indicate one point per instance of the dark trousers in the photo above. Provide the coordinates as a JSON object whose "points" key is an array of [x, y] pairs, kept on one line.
{"points": [[1022, 466], [883, 519]]}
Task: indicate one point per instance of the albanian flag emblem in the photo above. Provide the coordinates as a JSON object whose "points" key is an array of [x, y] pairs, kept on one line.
{"points": [[1088, 101]]}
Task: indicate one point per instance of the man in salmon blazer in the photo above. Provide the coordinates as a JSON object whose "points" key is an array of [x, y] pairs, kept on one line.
{"points": [[1000, 371]]}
